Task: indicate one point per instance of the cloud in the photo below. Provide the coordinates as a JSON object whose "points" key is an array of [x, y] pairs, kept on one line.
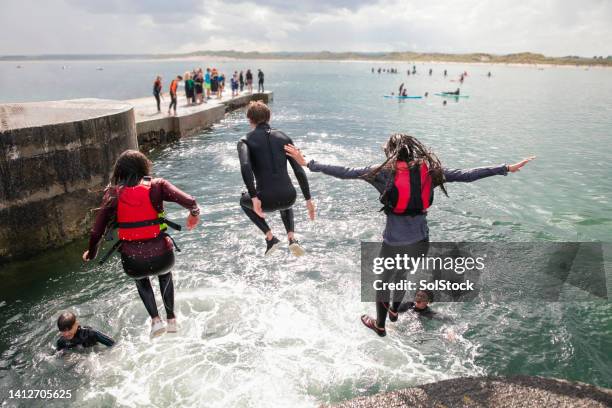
{"points": [[552, 27]]}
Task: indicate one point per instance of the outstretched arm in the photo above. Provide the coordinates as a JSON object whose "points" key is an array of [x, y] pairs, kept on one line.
{"points": [[174, 194], [103, 339], [331, 170], [469, 175], [103, 219]]}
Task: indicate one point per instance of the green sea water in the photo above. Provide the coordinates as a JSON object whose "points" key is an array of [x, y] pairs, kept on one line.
{"points": [[282, 331]]}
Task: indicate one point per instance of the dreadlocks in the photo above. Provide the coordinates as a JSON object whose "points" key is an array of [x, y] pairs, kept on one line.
{"points": [[405, 148]]}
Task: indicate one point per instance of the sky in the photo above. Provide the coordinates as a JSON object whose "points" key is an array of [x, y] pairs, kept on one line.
{"points": [[551, 27]]}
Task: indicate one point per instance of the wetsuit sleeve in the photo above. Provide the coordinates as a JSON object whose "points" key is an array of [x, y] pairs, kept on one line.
{"points": [[60, 344], [105, 215], [103, 338], [469, 175], [174, 194], [404, 307], [340, 172], [246, 169]]}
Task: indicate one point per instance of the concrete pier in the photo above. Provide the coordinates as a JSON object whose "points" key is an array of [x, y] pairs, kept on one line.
{"points": [[155, 129], [55, 159]]}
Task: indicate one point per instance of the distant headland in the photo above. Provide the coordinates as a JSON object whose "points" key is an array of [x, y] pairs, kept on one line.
{"points": [[517, 58]]}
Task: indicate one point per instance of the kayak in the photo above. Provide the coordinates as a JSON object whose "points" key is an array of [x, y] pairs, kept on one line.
{"points": [[403, 97], [447, 95]]}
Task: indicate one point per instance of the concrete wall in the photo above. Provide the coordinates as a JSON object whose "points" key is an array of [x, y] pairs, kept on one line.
{"points": [[55, 160], [159, 129]]}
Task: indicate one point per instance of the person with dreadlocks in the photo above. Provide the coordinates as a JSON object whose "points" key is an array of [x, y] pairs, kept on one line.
{"points": [[406, 181], [133, 203]]}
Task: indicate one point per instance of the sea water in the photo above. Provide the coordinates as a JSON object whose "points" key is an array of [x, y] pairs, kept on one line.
{"points": [[281, 331]]}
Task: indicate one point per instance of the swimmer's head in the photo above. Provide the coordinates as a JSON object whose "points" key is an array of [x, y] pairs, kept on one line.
{"points": [[258, 112], [421, 300], [131, 166], [67, 325]]}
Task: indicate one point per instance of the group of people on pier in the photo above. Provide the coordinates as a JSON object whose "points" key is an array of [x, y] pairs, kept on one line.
{"points": [[201, 85]]}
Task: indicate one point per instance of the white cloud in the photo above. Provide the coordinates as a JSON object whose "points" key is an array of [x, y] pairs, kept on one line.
{"points": [[553, 27]]}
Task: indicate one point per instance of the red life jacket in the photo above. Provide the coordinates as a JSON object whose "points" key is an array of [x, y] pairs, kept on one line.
{"points": [[411, 192], [136, 218]]}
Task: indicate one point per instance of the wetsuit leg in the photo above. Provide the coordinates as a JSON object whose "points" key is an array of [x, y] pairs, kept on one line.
{"points": [[158, 99], [287, 217], [247, 206], [145, 290], [166, 286]]}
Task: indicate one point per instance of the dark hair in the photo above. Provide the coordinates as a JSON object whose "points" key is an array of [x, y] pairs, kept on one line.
{"points": [[258, 112], [424, 295], [406, 148], [131, 166], [179, 77], [66, 321]]}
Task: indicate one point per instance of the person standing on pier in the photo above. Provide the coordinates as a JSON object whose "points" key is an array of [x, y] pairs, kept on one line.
{"points": [[133, 202], [263, 165], [199, 86], [234, 82], [260, 81], [221, 84], [241, 79], [207, 83], [172, 91], [214, 83], [157, 92], [189, 89], [249, 80]]}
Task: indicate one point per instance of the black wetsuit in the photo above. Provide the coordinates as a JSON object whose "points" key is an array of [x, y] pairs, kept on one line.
{"points": [[157, 87], [404, 307], [260, 82], [263, 164], [84, 337]]}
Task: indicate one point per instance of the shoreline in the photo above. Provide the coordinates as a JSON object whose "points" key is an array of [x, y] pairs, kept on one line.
{"points": [[221, 58]]}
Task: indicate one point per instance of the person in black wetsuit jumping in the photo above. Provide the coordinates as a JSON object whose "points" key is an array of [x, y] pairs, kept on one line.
{"points": [[263, 164], [74, 335]]}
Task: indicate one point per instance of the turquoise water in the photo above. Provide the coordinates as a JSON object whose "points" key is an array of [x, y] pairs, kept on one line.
{"points": [[286, 332]]}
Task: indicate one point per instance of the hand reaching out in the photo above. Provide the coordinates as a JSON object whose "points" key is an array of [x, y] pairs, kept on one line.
{"points": [[295, 154], [513, 168], [192, 221]]}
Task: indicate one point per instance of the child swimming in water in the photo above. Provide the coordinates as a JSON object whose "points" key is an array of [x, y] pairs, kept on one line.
{"points": [[74, 335]]}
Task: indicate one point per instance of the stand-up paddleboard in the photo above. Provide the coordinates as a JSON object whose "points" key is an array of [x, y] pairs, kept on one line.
{"points": [[447, 95], [403, 97]]}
